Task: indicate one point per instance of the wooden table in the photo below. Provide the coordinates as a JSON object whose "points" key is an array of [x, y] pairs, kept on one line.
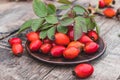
{"points": [[12, 15]]}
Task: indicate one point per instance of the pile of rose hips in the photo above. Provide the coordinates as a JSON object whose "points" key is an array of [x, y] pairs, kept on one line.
{"points": [[63, 45]]}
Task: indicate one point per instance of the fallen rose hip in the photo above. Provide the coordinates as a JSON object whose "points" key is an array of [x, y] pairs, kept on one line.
{"points": [[32, 36], [83, 70], [101, 4], [93, 35], [91, 48], [71, 52], [57, 51], [15, 41], [107, 2], [45, 48], [35, 45], [109, 12], [17, 49]]}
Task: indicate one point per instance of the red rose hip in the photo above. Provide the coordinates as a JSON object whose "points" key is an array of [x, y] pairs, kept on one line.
{"points": [[71, 52], [91, 48], [57, 51], [101, 4], [93, 35], [17, 49], [45, 48], [85, 39], [32, 36], [83, 70], [35, 45], [15, 41]]}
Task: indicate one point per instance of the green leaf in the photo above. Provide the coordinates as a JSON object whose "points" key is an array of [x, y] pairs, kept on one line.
{"points": [[52, 19], [62, 29], [97, 29], [43, 34], [66, 21], [64, 1], [79, 9], [83, 22], [39, 8], [64, 7], [36, 24], [77, 29], [51, 33], [25, 26], [90, 24], [45, 26], [51, 9]]}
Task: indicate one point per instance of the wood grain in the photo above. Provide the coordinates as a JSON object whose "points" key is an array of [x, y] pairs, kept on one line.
{"points": [[14, 14]]}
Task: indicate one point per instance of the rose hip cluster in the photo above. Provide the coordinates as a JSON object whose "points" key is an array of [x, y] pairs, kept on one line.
{"points": [[64, 45], [108, 12], [16, 44]]}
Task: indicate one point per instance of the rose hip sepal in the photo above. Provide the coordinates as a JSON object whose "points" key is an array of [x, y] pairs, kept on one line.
{"points": [[17, 49], [57, 51], [35, 45], [91, 48], [83, 70], [15, 40], [32, 36]]}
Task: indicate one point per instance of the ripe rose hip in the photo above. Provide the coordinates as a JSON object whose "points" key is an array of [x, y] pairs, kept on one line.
{"points": [[84, 39], [71, 34], [61, 39], [57, 51], [32, 36], [91, 48], [45, 48], [101, 4], [17, 49], [109, 12], [15, 41], [93, 35], [71, 52], [83, 70], [35, 45], [47, 40]]}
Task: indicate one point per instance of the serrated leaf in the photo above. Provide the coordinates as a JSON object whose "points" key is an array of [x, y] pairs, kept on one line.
{"points": [[36, 24], [64, 1], [39, 8], [45, 26], [25, 26], [51, 9], [52, 19], [79, 9], [43, 34], [62, 29], [77, 29], [64, 7], [51, 33], [66, 21]]}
